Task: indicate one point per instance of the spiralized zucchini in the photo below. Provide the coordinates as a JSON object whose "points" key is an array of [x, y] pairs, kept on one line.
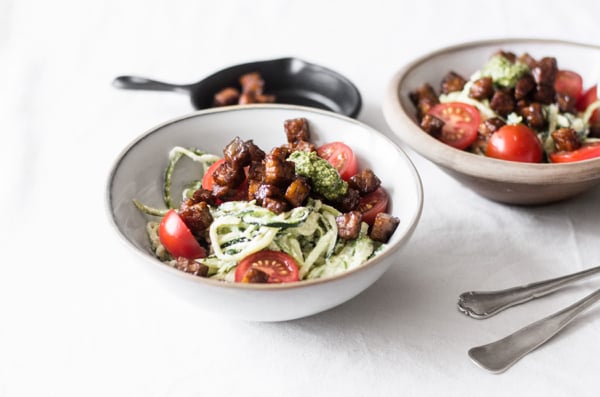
{"points": [[174, 156], [309, 234]]}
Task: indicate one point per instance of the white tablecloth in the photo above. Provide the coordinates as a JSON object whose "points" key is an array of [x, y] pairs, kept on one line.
{"points": [[78, 315]]}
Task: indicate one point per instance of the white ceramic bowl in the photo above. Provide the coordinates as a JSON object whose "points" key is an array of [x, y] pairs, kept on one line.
{"points": [[138, 172], [502, 181]]}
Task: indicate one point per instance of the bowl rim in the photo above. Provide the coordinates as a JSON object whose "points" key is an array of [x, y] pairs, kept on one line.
{"points": [[148, 257], [403, 124]]}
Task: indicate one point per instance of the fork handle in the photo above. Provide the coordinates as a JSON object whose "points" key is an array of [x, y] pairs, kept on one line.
{"points": [[498, 356], [483, 304]]}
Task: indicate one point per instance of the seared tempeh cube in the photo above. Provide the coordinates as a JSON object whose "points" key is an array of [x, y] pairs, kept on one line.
{"points": [[482, 88], [254, 275], [256, 172], [275, 205], [278, 171], [544, 94], [348, 201], [566, 103], [528, 60], [544, 72], [265, 190], [297, 192], [201, 195], [502, 103], [227, 96], [349, 225], [484, 131], [365, 181], [383, 227], [297, 130], [252, 83], [489, 126], [452, 82], [566, 139], [240, 153], [197, 218], [191, 266], [525, 86], [533, 115], [432, 125], [424, 98], [225, 192], [228, 175]]}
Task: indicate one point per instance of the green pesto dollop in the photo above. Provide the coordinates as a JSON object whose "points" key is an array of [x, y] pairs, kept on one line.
{"points": [[503, 72], [324, 178]]}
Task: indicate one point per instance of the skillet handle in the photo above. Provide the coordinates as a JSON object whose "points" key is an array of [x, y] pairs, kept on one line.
{"points": [[142, 83]]}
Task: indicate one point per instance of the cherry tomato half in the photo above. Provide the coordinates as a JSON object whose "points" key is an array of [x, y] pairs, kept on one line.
{"points": [[460, 123], [568, 83], [341, 157], [280, 267], [590, 96], [586, 152], [515, 143], [372, 204], [177, 237]]}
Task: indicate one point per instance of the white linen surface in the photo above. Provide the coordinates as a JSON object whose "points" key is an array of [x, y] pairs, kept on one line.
{"points": [[79, 317]]}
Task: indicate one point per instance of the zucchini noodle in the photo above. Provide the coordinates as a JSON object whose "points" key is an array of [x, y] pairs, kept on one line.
{"points": [[174, 156], [587, 114], [232, 239]]}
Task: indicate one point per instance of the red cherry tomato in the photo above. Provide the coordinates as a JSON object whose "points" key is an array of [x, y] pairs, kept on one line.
{"points": [[341, 157], [590, 96], [460, 123], [515, 143], [568, 83], [586, 152], [280, 267], [177, 237], [372, 204]]}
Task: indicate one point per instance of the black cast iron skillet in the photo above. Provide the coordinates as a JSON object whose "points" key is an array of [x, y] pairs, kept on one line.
{"points": [[291, 80]]}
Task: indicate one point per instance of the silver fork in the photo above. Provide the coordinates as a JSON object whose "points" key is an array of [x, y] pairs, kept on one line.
{"points": [[480, 304], [498, 356]]}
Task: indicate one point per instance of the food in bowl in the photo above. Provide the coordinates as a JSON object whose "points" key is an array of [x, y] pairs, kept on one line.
{"points": [[298, 212], [250, 90], [138, 172], [514, 108]]}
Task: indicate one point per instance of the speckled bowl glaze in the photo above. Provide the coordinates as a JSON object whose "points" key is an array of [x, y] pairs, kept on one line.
{"points": [[138, 171], [503, 181]]}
